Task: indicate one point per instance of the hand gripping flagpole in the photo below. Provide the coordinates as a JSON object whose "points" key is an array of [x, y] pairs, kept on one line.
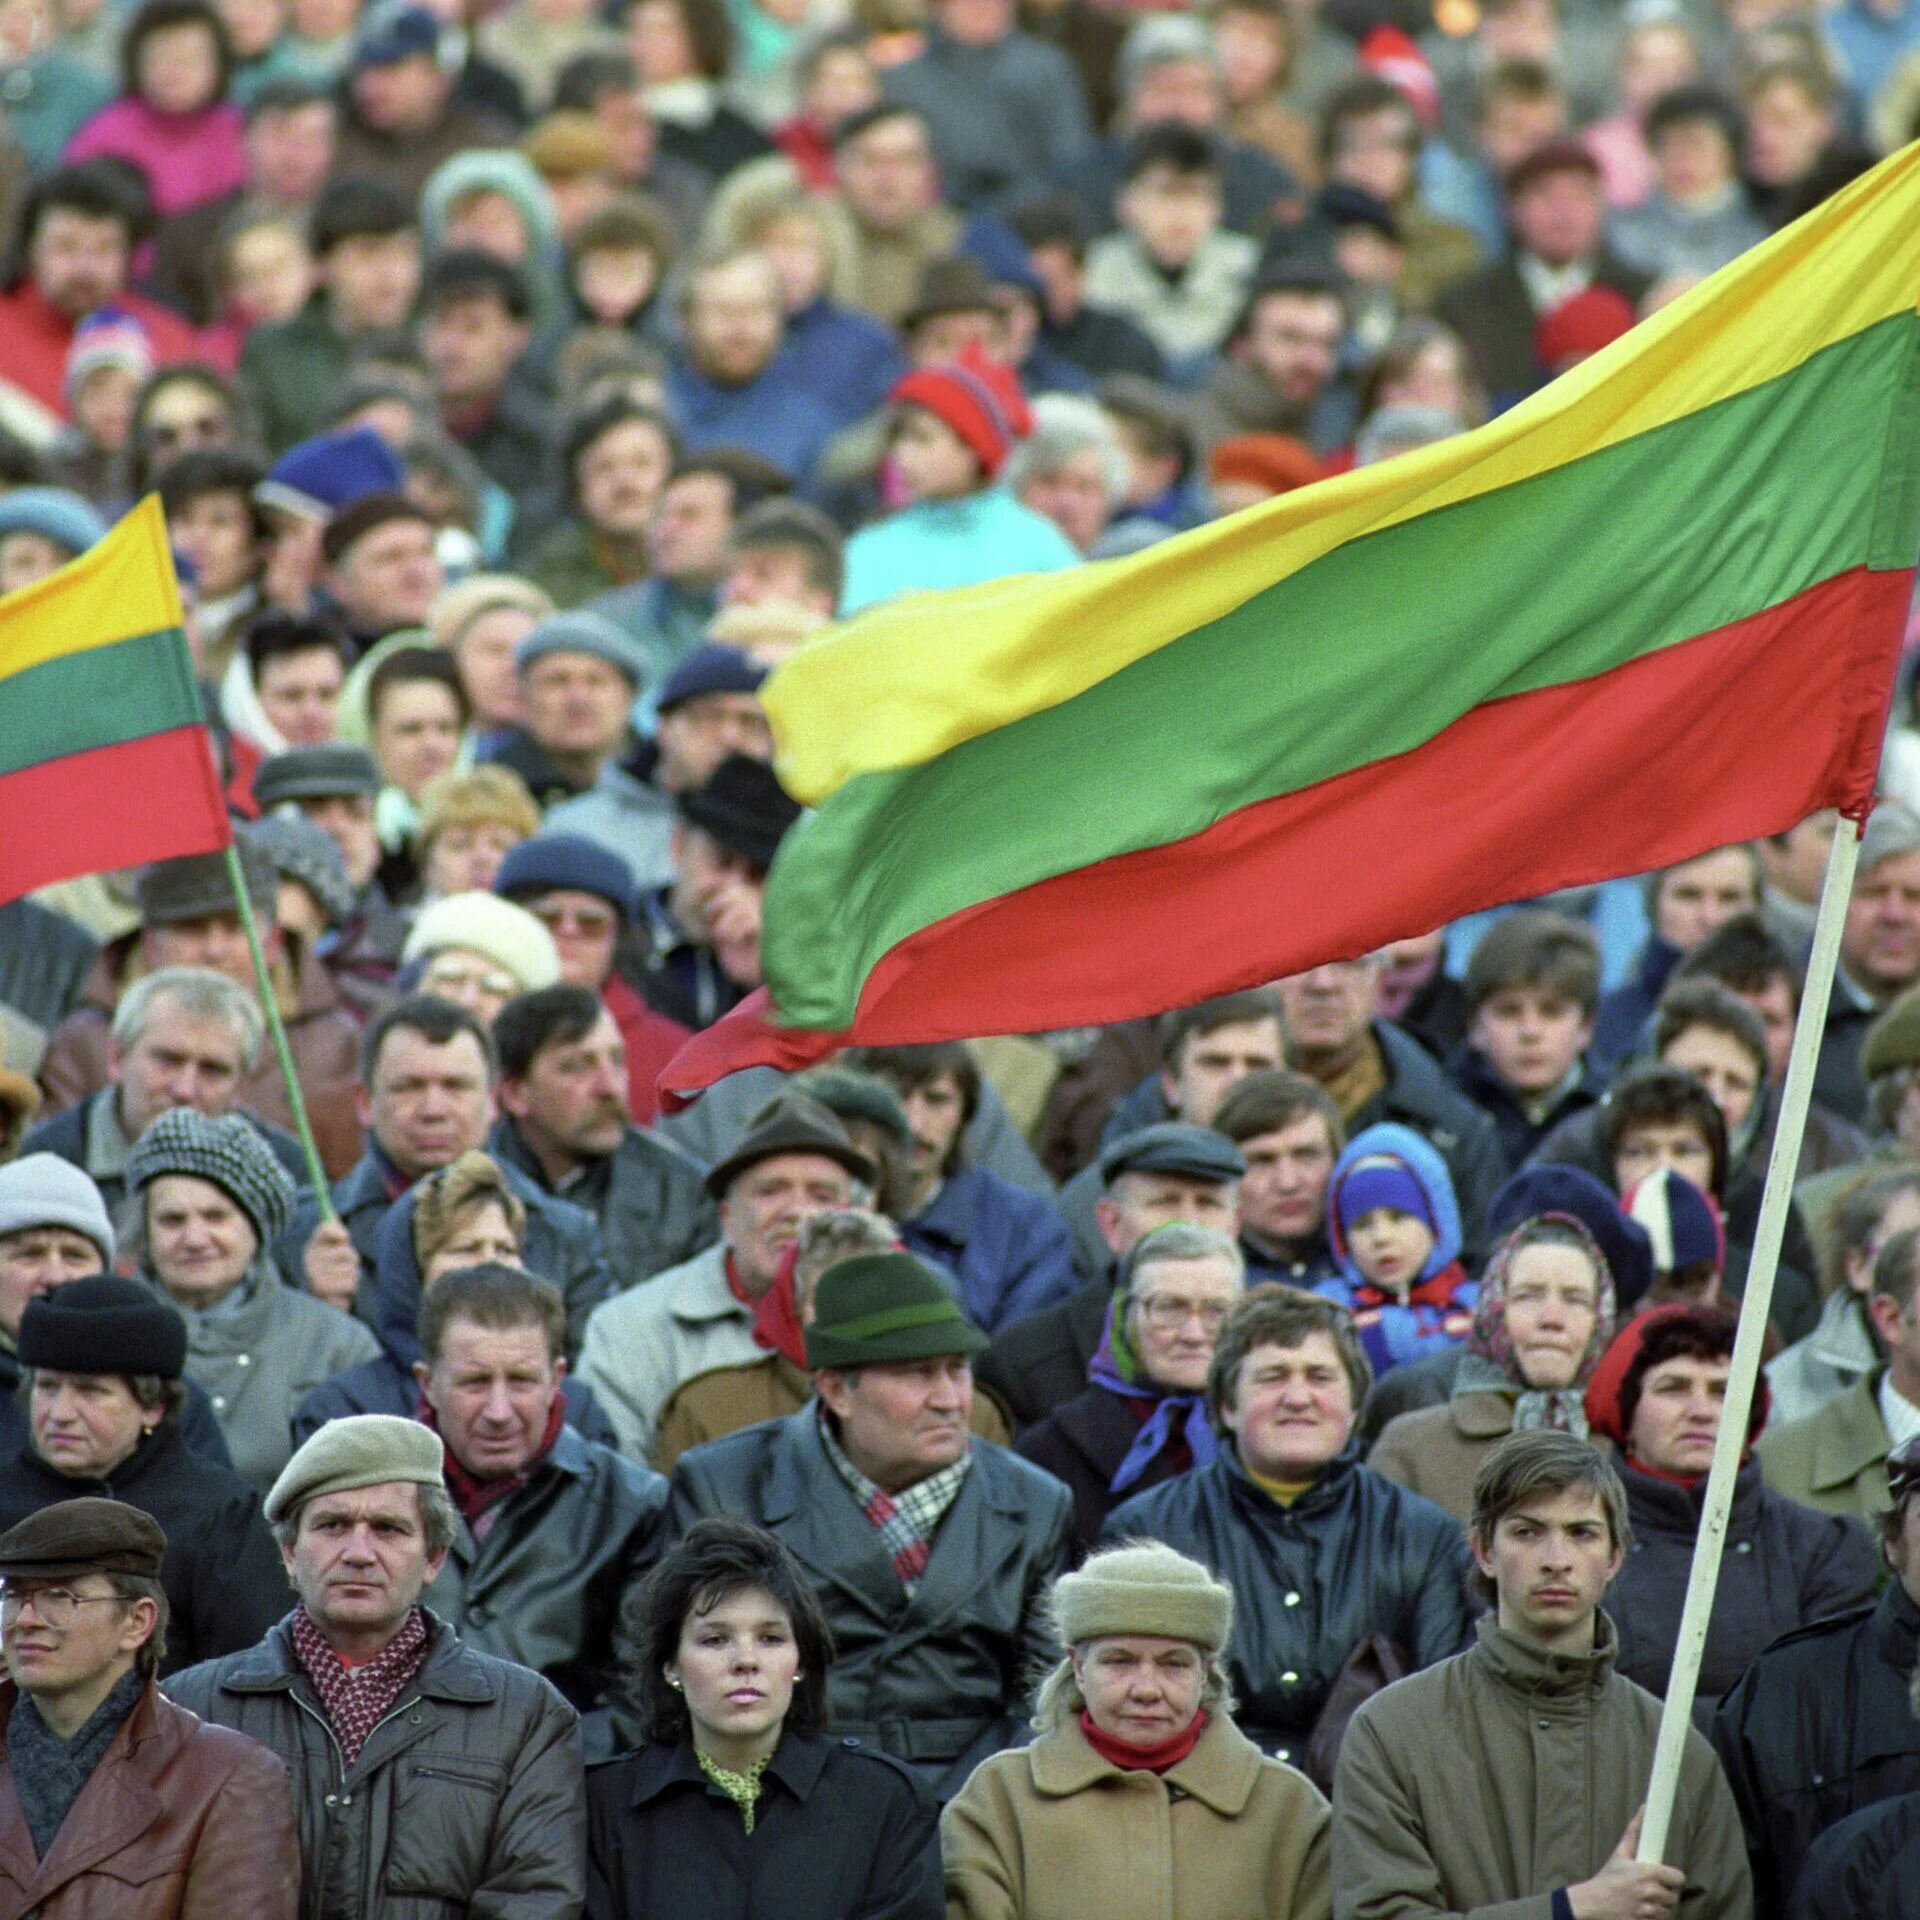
{"points": [[1796, 1096], [270, 1005]]}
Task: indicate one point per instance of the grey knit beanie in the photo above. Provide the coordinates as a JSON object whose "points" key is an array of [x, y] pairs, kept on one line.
{"points": [[227, 1152], [1143, 1587], [43, 1190]]}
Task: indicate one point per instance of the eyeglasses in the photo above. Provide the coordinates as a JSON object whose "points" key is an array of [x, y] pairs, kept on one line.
{"points": [[52, 1606], [1168, 1313], [456, 974]]}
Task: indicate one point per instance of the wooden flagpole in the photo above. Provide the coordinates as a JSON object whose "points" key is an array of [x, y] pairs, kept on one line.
{"points": [[270, 1005], [1796, 1096]]}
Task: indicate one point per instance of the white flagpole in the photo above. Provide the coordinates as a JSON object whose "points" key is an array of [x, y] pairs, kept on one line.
{"points": [[1795, 1098]]}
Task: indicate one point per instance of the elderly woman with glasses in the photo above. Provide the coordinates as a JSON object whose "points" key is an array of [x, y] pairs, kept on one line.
{"points": [[1143, 1415], [1139, 1797]]}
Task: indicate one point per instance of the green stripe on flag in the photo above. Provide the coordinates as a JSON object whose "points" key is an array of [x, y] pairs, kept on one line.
{"points": [[1368, 653], [103, 697]]}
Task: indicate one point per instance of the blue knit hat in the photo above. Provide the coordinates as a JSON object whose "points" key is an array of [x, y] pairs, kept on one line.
{"points": [[54, 514], [569, 861], [320, 476], [1551, 1189], [1381, 1180]]}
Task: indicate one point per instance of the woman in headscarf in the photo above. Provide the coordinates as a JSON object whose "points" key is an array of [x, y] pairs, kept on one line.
{"points": [[1540, 1325], [1143, 1415]]}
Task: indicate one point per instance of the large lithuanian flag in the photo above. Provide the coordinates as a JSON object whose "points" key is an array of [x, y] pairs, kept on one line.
{"points": [[1655, 608], [104, 756]]}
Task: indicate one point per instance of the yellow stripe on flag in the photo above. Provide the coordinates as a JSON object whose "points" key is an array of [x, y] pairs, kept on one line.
{"points": [[115, 591], [909, 680]]}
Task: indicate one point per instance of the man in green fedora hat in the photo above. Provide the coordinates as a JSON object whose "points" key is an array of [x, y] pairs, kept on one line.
{"points": [[931, 1550]]}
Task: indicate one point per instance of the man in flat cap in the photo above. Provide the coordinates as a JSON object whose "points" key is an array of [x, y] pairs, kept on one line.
{"points": [[112, 1800], [334, 786], [931, 1550], [427, 1776]]}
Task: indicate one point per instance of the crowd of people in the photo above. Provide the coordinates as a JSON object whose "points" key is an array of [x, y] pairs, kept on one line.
{"points": [[1246, 1461]]}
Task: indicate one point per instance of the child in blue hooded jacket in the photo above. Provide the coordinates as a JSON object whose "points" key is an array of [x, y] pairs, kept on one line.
{"points": [[1395, 1227]]}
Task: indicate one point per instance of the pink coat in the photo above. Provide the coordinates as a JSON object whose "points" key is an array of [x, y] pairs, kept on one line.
{"points": [[188, 158]]}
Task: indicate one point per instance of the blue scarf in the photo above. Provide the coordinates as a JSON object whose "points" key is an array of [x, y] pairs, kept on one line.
{"points": [[1116, 1367]]}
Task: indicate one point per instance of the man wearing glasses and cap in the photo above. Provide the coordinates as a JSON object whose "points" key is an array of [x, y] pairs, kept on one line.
{"points": [[112, 1799], [1821, 1724]]}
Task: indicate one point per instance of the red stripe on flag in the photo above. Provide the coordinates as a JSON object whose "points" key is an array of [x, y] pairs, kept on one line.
{"points": [[118, 806], [1650, 764]]}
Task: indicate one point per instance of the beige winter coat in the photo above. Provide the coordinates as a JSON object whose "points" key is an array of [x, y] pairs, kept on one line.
{"points": [[1054, 1832], [1485, 1784]]}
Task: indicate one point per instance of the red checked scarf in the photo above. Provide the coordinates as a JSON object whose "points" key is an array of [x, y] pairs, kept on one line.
{"points": [[907, 1521], [358, 1698]]}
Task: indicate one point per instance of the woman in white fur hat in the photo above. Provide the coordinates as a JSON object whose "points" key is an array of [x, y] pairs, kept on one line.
{"points": [[1139, 1799]]}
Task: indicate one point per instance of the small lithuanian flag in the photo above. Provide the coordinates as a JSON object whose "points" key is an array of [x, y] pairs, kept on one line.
{"points": [[105, 760]]}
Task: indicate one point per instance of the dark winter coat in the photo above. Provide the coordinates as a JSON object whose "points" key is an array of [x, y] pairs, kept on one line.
{"points": [[1818, 1727], [1008, 1248], [841, 1832], [1353, 1555], [1785, 1566], [223, 1576], [1866, 1868], [649, 1199], [939, 1679], [1082, 1443], [544, 1587], [1519, 1132], [1040, 1362], [1419, 1095], [468, 1799]]}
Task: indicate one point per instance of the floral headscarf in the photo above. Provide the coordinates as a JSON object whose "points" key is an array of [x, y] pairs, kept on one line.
{"points": [[1488, 1364]]}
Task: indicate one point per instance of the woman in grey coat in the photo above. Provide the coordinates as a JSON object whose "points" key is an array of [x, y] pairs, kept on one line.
{"points": [[211, 1197]]}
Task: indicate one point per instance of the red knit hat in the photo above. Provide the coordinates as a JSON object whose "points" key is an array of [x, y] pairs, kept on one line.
{"points": [[977, 397], [1393, 56], [1613, 1394], [1581, 325]]}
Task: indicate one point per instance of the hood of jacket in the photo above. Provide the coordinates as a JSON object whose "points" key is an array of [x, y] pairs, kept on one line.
{"points": [[1391, 1141]]}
